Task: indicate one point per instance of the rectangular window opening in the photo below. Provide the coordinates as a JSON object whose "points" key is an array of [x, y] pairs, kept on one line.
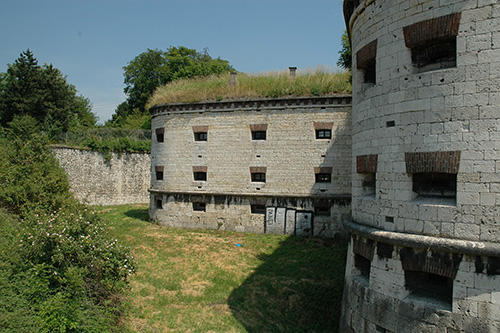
{"points": [[160, 134], [322, 211], [200, 136], [323, 178], [200, 176], [363, 265], [368, 183], [159, 175], [435, 184], [435, 54], [258, 209], [370, 72], [324, 134], [428, 285], [159, 203], [258, 177], [258, 135], [199, 207]]}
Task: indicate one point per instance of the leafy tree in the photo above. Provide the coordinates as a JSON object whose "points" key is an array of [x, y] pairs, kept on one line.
{"points": [[345, 59], [120, 115], [154, 68], [43, 93]]}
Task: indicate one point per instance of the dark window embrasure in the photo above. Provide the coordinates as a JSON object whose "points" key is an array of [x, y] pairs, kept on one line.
{"points": [[324, 134], [435, 184], [258, 177], [429, 285], [322, 211], [363, 265], [258, 135], [323, 178], [159, 203], [435, 54], [160, 134], [199, 207], [258, 209], [200, 136], [200, 176]]}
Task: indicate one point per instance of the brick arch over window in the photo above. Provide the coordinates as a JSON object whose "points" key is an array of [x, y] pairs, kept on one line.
{"points": [[436, 161], [366, 163], [436, 28]]}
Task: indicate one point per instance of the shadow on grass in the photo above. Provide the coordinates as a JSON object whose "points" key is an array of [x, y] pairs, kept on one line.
{"points": [[140, 214], [298, 288]]}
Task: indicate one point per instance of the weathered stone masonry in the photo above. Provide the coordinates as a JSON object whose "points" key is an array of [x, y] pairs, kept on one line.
{"points": [[425, 249], [263, 165], [96, 180]]}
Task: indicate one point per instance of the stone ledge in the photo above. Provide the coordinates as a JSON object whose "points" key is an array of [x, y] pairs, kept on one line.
{"points": [[344, 197], [60, 146], [467, 247], [254, 104]]}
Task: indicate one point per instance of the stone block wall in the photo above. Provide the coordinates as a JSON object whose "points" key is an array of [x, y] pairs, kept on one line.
{"points": [[94, 180]]}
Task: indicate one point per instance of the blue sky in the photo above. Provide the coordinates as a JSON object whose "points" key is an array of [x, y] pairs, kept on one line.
{"points": [[90, 41]]}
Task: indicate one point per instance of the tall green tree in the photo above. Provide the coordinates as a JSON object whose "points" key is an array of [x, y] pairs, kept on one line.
{"points": [[42, 92], [345, 58], [154, 68]]}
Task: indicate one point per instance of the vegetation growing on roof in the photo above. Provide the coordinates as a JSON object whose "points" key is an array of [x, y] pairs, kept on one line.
{"points": [[316, 82]]}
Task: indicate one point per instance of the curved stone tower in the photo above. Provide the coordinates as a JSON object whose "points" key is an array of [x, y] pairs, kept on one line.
{"points": [[263, 165], [424, 254]]}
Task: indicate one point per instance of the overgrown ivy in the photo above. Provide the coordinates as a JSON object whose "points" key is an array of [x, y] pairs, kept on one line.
{"points": [[119, 145]]}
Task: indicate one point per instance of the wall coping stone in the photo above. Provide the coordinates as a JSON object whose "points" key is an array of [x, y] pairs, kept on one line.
{"points": [[252, 104], [58, 146], [475, 248], [352, 10]]}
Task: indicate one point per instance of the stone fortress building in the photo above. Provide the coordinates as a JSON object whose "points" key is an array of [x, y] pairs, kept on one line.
{"points": [[424, 254], [261, 165]]}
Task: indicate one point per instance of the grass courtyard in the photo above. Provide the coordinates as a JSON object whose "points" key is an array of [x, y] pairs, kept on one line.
{"points": [[218, 281]]}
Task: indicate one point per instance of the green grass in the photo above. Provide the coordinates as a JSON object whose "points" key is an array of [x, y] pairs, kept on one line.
{"points": [[200, 281], [317, 82]]}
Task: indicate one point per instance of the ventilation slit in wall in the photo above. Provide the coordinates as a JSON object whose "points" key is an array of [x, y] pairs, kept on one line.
{"points": [[390, 123]]}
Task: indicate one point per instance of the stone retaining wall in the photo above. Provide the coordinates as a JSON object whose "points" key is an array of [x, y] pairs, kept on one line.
{"points": [[95, 180]]}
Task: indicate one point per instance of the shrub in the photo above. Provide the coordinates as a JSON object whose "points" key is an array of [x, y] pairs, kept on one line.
{"points": [[59, 268], [119, 145], [30, 176]]}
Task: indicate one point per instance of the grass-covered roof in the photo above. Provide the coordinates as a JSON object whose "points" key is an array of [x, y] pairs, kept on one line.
{"points": [[317, 82]]}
